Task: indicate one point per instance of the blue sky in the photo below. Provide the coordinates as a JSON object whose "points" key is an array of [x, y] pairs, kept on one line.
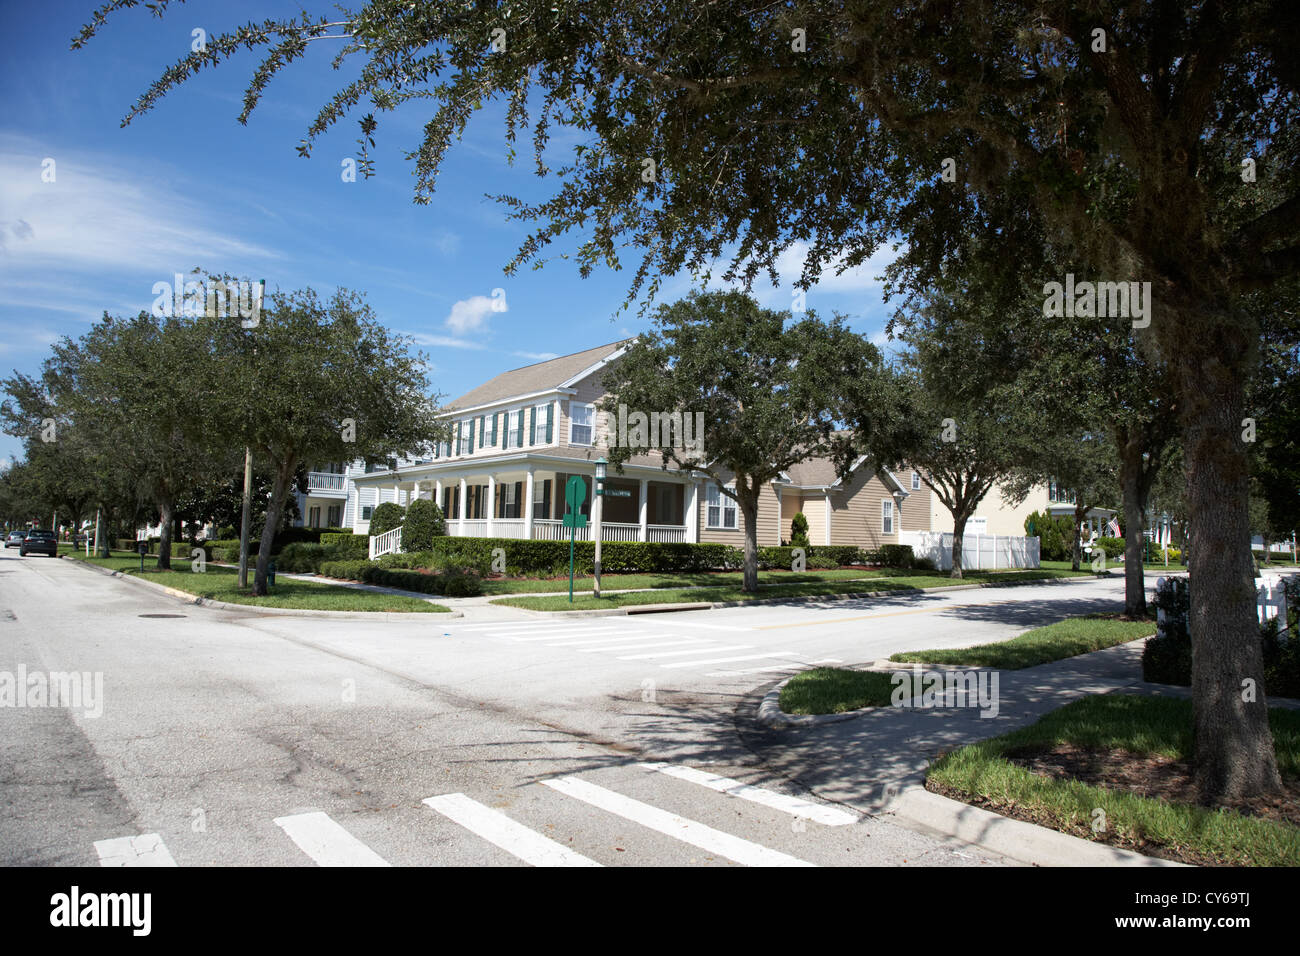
{"points": [[186, 185]]}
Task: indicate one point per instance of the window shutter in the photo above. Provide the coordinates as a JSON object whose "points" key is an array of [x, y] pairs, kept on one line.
{"points": [[550, 421], [470, 443], [459, 429], [532, 425], [519, 508], [495, 440], [482, 431]]}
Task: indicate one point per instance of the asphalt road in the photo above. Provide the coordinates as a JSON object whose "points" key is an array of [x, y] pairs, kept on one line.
{"points": [[232, 738]]}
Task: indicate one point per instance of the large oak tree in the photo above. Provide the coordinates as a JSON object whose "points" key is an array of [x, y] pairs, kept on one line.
{"points": [[1125, 125]]}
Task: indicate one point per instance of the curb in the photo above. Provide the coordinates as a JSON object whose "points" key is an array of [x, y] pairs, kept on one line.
{"points": [[186, 597], [1025, 842], [799, 599], [1016, 839]]}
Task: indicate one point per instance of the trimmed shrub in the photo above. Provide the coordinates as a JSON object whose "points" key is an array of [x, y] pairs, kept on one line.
{"points": [[1114, 547], [820, 557], [346, 544], [386, 517], [799, 531], [423, 523], [550, 558], [344, 570], [301, 558], [454, 583], [897, 556], [925, 564], [1055, 535]]}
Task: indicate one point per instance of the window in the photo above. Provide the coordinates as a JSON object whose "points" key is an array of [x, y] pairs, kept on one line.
{"points": [[365, 512], [582, 419], [513, 421], [916, 481], [887, 517], [722, 510]]}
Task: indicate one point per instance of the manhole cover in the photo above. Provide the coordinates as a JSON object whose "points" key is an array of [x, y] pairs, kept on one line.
{"points": [[160, 615]]}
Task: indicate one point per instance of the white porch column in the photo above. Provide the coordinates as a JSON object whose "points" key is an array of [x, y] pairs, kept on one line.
{"points": [[491, 503], [528, 505], [645, 510], [437, 493], [692, 512], [397, 494], [356, 506], [780, 516], [460, 511]]}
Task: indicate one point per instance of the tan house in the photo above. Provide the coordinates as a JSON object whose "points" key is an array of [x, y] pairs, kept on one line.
{"points": [[518, 438]]}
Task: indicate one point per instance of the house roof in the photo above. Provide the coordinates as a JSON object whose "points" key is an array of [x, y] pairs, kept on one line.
{"points": [[539, 377]]}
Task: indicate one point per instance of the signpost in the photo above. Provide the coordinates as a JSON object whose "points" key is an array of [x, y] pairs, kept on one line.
{"points": [[575, 493]]}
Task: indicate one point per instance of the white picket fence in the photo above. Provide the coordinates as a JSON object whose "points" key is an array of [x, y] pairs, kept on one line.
{"points": [[979, 552]]}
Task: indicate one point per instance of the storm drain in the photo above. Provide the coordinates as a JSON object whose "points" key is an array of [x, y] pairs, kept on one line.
{"points": [[161, 615]]}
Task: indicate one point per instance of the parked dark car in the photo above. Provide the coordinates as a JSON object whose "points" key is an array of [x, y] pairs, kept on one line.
{"points": [[14, 539], [39, 542]]}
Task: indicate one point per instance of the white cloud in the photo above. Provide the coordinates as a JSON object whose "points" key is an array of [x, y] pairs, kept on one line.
{"points": [[98, 214], [536, 356], [445, 341], [469, 315]]}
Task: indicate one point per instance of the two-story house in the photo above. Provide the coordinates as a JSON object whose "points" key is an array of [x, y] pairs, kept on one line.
{"points": [[518, 438]]}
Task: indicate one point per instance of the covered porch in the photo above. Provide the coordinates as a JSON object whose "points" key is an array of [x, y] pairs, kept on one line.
{"points": [[526, 501]]}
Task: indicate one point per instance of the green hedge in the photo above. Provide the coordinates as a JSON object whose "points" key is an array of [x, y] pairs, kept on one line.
{"points": [[815, 556], [347, 545], [552, 557], [452, 583], [386, 517], [422, 524], [896, 556]]}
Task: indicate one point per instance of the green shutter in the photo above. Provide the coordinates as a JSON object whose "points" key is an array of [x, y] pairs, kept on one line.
{"points": [[496, 437], [550, 415], [482, 431], [532, 426], [470, 448]]}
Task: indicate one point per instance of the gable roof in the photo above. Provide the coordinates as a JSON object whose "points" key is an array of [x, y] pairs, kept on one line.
{"points": [[540, 377]]}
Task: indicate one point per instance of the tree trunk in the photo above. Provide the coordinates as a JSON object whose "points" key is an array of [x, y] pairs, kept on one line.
{"points": [[1233, 745], [958, 534], [274, 509], [164, 534], [747, 498], [1135, 598]]}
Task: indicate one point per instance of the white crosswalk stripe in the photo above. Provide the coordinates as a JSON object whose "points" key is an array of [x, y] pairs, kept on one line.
{"points": [[326, 842], [818, 813], [499, 830], [728, 660], [147, 849], [697, 834]]}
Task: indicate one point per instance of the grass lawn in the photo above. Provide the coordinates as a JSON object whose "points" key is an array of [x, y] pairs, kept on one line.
{"points": [[222, 584], [1068, 638], [834, 690], [886, 581], [1124, 740]]}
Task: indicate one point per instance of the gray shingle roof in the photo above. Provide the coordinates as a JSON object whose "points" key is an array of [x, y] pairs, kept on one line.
{"points": [[534, 378]]}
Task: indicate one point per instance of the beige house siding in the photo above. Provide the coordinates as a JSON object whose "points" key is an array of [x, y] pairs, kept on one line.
{"points": [[791, 505], [768, 520], [814, 509], [856, 512], [1001, 518]]}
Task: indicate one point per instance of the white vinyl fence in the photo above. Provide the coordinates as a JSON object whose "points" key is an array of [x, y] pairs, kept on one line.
{"points": [[979, 552]]}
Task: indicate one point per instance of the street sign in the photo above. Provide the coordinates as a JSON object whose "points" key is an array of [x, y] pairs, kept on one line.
{"points": [[575, 493], [615, 493]]}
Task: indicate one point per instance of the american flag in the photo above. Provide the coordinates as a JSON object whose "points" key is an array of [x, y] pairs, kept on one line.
{"points": [[1113, 528]]}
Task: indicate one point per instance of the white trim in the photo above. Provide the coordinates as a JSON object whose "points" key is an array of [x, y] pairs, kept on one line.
{"points": [[827, 532], [569, 383], [509, 400], [887, 513], [591, 405], [722, 508]]}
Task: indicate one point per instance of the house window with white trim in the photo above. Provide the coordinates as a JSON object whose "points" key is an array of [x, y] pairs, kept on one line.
{"points": [[721, 509], [582, 423], [916, 481], [886, 516], [513, 426]]}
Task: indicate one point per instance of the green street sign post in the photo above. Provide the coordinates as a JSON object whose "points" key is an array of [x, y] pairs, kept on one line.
{"points": [[575, 493]]}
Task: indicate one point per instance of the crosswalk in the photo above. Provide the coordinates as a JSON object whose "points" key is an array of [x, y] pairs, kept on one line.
{"points": [[626, 794], [677, 645]]}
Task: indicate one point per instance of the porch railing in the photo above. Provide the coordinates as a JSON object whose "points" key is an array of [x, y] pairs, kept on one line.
{"points": [[387, 543], [666, 533], [325, 481]]}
